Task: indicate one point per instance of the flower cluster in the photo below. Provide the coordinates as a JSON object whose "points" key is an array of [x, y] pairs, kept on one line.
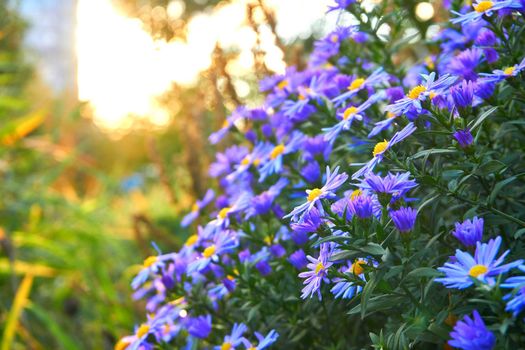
{"points": [[405, 155]]}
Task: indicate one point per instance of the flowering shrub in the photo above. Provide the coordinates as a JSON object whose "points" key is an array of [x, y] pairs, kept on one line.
{"points": [[411, 237]]}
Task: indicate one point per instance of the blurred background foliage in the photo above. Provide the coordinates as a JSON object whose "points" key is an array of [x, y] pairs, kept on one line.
{"points": [[79, 206]]}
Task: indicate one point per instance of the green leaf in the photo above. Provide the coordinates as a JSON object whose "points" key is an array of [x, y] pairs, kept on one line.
{"points": [[490, 167], [423, 272], [432, 151], [374, 249], [475, 123], [53, 327]]}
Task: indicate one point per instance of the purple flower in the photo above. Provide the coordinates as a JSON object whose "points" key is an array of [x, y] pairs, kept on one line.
{"points": [[484, 7], [317, 272], [333, 181], [277, 250], [501, 74], [234, 339], [274, 162], [377, 77], [464, 138], [463, 94], [199, 327], [311, 171], [224, 242], [469, 232], [361, 206], [309, 224], [347, 115], [483, 266], [392, 184], [197, 207], [382, 147], [465, 63], [515, 300], [340, 5], [427, 90], [264, 267], [298, 259], [404, 219], [264, 341], [472, 334]]}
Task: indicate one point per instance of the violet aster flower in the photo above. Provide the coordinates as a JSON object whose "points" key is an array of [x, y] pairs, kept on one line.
{"points": [[340, 5], [469, 232], [309, 224], [199, 327], [333, 181], [262, 203], [377, 77], [392, 184], [465, 63], [346, 289], [311, 171], [472, 334], [464, 138], [274, 162], [516, 299], [298, 259], [404, 219], [152, 265], [197, 207], [501, 74], [228, 123], [264, 341], [483, 266], [427, 90], [224, 242], [463, 94], [347, 115], [317, 272], [484, 7], [361, 206], [382, 147], [234, 339]]}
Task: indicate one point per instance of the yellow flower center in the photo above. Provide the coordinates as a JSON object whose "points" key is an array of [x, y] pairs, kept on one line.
{"points": [[268, 240], [319, 267], [508, 70], [483, 6], [143, 330], [195, 208], [350, 111], [150, 260], [390, 115], [355, 194], [380, 148], [334, 38], [277, 151], [230, 277], [477, 270], [415, 92], [432, 94], [429, 62], [356, 84], [256, 161], [191, 240], [357, 267], [166, 329], [223, 213], [316, 192], [226, 346], [282, 84], [245, 161], [225, 124], [122, 344], [252, 348], [208, 252]]}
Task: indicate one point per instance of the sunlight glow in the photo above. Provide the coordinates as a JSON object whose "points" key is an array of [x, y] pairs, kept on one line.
{"points": [[122, 70]]}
